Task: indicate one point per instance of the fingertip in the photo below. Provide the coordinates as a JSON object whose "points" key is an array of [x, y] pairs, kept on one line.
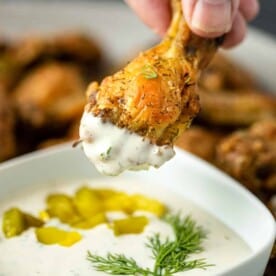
{"points": [[249, 9], [209, 18], [188, 7]]}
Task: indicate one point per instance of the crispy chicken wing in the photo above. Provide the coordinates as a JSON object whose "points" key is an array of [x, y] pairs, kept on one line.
{"points": [[7, 125], [51, 94], [69, 46], [236, 109], [153, 97], [200, 141], [224, 74], [18, 58], [250, 156]]}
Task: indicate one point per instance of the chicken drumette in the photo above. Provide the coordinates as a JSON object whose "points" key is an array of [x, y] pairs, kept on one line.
{"points": [[133, 117], [250, 156]]}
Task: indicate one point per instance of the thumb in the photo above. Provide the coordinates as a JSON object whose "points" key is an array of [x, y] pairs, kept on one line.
{"points": [[210, 18]]}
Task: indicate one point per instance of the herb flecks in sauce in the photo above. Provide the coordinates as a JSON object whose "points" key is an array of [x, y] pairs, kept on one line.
{"points": [[104, 156], [170, 256]]}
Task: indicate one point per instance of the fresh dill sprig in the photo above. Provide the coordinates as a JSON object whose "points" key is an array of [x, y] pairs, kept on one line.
{"points": [[173, 256], [170, 256], [116, 264]]}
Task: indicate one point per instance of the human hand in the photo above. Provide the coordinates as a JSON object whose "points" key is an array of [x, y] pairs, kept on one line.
{"points": [[207, 18]]}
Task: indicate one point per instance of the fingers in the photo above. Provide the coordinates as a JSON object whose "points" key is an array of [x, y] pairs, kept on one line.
{"points": [[210, 18], [237, 33], [207, 18], [249, 9], [155, 13], [213, 18]]}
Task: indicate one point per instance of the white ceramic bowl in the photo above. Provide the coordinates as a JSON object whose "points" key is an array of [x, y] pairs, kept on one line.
{"points": [[185, 174]]}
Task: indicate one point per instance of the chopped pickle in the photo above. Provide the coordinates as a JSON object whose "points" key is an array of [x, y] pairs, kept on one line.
{"points": [[91, 222], [105, 193], [87, 202], [32, 221], [143, 203], [53, 235], [130, 225], [119, 202], [15, 222], [62, 207], [44, 215], [85, 210]]}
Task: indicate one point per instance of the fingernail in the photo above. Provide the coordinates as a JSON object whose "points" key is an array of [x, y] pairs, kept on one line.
{"points": [[212, 16]]}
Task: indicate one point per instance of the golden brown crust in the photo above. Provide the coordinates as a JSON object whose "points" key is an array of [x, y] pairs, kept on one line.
{"points": [[146, 106], [155, 95]]}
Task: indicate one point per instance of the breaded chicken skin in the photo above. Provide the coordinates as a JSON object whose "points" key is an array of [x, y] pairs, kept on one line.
{"points": [[154, 96]]}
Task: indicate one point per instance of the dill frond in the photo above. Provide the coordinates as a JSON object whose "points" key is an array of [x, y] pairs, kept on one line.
{"points": [[170, 256]]}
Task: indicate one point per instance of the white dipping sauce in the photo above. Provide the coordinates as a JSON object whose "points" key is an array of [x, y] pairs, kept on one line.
{"points": [[113, 150], [24, 256]]}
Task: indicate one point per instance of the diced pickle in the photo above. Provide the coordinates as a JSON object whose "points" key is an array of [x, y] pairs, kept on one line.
{"points": [[70, 239], [62, 207], [32, 221], [119, 202], [143, 203], [105, 193], [91, 222], [53, 235], [131, 225], [44, 215], [87, 202], [14, 223]]}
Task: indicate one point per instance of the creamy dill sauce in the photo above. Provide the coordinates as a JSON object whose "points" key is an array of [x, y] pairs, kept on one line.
{"points": [[113, 150], [24, 254]]}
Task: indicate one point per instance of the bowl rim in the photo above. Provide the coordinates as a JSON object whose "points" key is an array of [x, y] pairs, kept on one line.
{"points": [[230, 181]]}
